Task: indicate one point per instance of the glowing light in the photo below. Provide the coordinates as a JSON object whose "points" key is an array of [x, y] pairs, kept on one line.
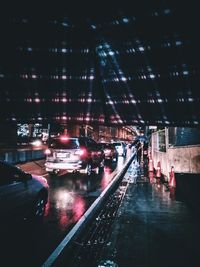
{"points": [[91, 77], [37, 100], [178, 43], [167, 11], [64, 118], [64, 77], [64, 50], [125, 20], [111, 53], [185, 72], [123, 79], [141, 48], [152, 76], [190, 99], [64, 138], [65, 24]]}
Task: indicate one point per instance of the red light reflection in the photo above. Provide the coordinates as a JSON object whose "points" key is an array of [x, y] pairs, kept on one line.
{"points": [[106, 178], [70, 208]]}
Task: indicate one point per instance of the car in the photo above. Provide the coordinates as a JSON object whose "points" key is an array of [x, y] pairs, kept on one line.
{"points": [[23, 196], [121, 148], [74, 154], [110, 151]]}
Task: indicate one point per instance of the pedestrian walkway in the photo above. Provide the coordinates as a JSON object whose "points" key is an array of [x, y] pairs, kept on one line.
{"points": [[152, 228]]}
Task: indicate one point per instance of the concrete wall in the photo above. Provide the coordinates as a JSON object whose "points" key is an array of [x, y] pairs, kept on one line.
{"points": [[185, 159]]}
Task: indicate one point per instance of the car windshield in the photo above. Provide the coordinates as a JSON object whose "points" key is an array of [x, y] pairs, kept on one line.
{"points": [[65, 144]]}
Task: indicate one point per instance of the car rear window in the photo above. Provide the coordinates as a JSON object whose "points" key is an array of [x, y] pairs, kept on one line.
{"points": [[117, 144], [65, 144]]}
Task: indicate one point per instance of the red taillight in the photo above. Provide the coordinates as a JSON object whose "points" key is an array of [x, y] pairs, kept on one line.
{"points": [[47, 152], [64, 138], [81, 152]]}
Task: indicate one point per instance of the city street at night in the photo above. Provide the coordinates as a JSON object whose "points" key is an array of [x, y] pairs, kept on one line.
{"points": [[100, 134]]}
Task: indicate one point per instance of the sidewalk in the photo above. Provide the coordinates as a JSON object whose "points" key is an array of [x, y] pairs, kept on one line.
{"points": [[151, 229]]}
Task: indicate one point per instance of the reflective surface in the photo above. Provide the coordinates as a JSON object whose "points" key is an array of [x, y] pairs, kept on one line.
{"points": [[70, 195]]}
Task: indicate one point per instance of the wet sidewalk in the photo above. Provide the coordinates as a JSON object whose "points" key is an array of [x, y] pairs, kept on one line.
{"points": [[152, 229], [149, 228]]}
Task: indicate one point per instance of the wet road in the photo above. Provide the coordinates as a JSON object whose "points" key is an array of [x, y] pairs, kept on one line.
{"points": [[70, 196]]}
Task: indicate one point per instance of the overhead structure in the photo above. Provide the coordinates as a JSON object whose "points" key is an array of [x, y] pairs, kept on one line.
{"points": [[120, 66]]}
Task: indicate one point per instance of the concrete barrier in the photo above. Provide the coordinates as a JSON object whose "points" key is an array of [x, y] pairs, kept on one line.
{"points": [[19, 156], [85, 219]]}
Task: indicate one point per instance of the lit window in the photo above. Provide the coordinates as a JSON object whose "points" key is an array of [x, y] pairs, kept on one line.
{"points": [[190, 99], [37, 100], [123, 79], [167, 11], [125, 20], [141, 48], [185, 72], [64, 50], [178, 43], [152, 76], [111, 53], [65, 24]]}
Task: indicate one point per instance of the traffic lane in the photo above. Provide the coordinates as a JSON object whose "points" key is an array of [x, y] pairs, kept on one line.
{"points": [[69, 197]]}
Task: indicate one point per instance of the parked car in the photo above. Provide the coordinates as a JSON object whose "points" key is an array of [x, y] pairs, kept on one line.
{"points": [[74, 154], [121, 148], [110, 151], [22, 195]]}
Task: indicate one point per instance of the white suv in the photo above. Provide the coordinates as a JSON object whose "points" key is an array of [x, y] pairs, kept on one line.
{"points": [[74, 154]]}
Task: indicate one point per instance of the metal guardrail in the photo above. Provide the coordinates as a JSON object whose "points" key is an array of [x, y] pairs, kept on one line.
{"points": [[84, 220]]}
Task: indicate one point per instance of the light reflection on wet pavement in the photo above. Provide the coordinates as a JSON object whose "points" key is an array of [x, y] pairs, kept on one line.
{"points": [[70, 195]]}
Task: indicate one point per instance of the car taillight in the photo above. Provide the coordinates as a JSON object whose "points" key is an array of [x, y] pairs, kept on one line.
{"points": [[64, 138], [81, 152], [47, 152]]}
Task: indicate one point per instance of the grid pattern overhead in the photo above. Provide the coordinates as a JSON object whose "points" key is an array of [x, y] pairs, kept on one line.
{"points": [[127, 66]]}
